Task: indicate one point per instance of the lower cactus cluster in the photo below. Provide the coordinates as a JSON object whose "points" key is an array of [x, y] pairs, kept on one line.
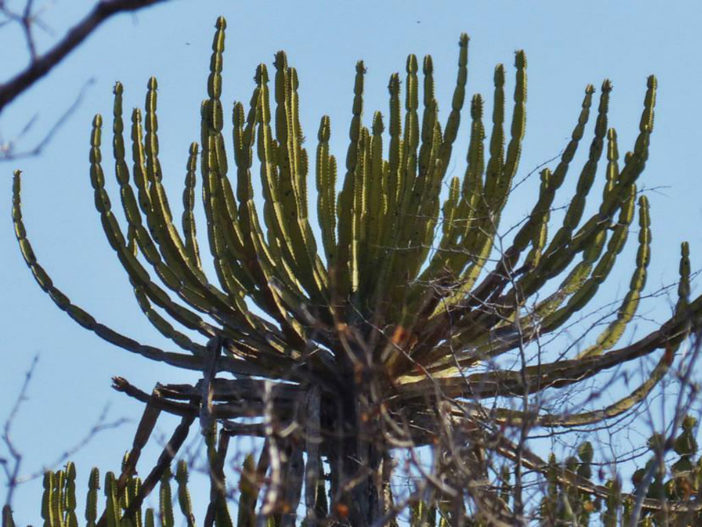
{"points": [[678, 485], [122, 509]]}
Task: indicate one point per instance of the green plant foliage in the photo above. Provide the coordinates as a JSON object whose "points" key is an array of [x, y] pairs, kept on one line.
{"points": [[63, 509], [396, 307], [675, 486], [563, 504], [678, 482], [675, 481], [58, 503]]}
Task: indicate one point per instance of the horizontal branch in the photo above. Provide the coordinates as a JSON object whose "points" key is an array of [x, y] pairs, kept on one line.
{"points": [[552, 375], [231, 397]]}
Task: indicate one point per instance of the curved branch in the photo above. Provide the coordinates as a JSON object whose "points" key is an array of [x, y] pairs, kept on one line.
{"points": [[556, 374]]}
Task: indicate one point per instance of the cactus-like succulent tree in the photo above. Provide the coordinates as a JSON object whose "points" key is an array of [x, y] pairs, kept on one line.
{"points": [[357, 334]]}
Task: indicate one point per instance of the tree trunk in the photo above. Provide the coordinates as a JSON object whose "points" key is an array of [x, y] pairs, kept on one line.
{"points": [[355, 450]]}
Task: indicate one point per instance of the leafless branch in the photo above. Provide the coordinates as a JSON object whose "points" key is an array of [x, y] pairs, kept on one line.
{"points": [[101, 425], [7, 149], [12, 467]]}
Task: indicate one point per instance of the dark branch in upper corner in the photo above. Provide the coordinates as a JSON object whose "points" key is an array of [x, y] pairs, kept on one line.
{"points": [[42, 64]]}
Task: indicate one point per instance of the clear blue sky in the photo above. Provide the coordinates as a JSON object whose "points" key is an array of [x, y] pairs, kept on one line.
{"points": [[568, 45]]}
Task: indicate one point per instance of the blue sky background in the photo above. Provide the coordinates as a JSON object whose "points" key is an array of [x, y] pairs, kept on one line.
{"points": [[568, 45]]}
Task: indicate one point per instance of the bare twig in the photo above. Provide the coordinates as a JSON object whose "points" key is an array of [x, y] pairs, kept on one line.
{"points": [[6, 150], [12, 468], [101, 425]]}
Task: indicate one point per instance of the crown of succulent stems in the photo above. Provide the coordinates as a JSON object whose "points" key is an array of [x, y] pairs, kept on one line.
{"points": [[388, 289], [396, 286]]}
